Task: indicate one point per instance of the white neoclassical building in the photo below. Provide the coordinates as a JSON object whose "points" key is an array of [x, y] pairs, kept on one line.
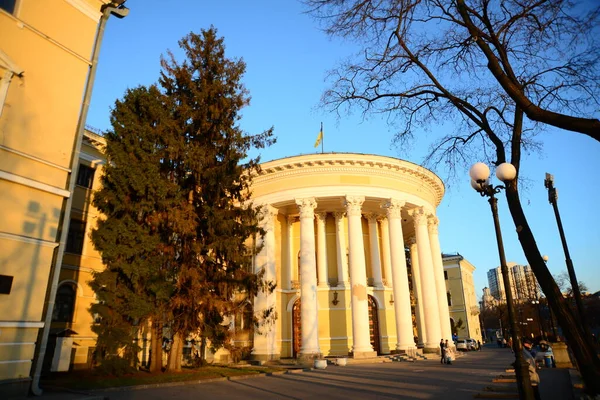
{"points": [[352, 244]]}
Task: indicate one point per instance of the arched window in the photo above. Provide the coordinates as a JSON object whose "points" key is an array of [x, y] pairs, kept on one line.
{"points": [[65, 303], [244, 319]]}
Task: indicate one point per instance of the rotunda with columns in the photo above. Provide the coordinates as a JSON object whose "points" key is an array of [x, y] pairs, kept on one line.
{"points": [[352, 244]]}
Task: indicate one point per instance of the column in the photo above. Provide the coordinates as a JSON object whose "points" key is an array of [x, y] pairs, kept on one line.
{"points": [[416, 279], [361, 341], [321, 249], [374, 245], [291, 262], [440, 282], [401, 290], [342, 261], [264, 340], [428, 288], [309, 317], [386, 258]]}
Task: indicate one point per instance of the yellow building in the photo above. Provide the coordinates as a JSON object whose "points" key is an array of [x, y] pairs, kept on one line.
{"points": [[342, 221], [462, 301], [45, 57]]}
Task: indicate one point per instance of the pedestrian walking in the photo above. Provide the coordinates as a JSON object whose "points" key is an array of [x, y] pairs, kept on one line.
{"points": [[478, 345], [442, 351], [449, 353], [533, 375]]}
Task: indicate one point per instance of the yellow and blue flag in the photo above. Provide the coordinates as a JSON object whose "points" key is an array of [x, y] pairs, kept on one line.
{"points": [[320, 137]]}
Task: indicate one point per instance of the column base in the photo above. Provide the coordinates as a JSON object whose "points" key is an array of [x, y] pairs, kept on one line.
{"points": [[431, 350], [307, 358], [264, 357], [364, 354]]}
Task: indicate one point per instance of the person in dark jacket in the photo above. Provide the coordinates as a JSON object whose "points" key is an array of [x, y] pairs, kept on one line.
{"points": [[442, 351]]}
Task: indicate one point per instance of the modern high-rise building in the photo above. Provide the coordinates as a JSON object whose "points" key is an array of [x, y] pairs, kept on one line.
{"points": [[522, 282]]}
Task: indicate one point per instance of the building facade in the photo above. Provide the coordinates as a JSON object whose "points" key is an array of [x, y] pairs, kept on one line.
{"points": [[45, 57], [522, 280], [337, 229], [462, 301]]}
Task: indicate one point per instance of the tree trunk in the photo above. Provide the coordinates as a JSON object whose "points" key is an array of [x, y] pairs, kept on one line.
{"points": [[156, 347], [581, 345], [174, 362]]}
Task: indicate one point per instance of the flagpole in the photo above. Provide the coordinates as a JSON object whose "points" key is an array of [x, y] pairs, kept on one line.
{"points": [[322, 138]]}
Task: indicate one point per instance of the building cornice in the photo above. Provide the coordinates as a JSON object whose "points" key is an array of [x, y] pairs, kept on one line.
{"points": [[327, 163]]}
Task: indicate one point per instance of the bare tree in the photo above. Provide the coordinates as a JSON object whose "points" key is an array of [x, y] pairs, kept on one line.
{"points": [[484, 66]]}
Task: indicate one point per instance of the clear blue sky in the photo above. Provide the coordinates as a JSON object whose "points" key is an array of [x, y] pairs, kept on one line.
{"points": [[287, 58]]}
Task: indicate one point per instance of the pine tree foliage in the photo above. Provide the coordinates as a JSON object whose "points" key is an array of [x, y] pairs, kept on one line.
{"points": [[175, 201]]}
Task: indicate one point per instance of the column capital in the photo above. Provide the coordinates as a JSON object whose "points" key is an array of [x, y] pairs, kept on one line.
{"points": [[339, 214], [393, 207], [432, 224], [373, 217], [412, 240], [307, 207], [291, 219], [353, 205], [321, 216], [419, 216], [267, 215]]}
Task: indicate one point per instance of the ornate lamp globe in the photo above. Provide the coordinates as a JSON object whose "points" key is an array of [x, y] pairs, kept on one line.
{"points": [[506, 172], [479, 172]]}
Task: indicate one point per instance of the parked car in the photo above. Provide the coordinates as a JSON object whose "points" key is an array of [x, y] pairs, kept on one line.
{"points": [[472, 344], [461, 345]]}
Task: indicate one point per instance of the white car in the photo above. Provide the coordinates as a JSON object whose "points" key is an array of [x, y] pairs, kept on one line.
{"points": [[462, 345]]}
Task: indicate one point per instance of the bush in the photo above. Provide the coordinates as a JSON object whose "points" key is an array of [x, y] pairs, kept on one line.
{"points": [[115, 366]]}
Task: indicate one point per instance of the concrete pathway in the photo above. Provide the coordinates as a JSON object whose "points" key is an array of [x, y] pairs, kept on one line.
{"points": [[465, 379]]}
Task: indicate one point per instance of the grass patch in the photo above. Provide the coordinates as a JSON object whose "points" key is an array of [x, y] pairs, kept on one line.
{"points": [[89, 380]]}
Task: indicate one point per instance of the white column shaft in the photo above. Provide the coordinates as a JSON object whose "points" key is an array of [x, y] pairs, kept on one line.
{"points": [[264, 341], [291, 262], [428, 288], [308, 278], [440, 282], [342, 261], [358, 277], [374, 245], [385, 251], [401, 290], [321, 249], [416, 279]]}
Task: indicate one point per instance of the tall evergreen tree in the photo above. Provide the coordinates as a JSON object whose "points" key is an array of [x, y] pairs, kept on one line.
{"points": [[143, 209], [206, 96], [176, 208]]}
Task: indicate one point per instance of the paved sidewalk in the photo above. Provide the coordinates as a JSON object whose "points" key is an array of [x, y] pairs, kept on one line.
{"points": [[424, 379]]}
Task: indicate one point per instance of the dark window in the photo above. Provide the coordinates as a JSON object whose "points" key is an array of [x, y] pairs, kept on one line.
{"points": [[65, 304], [449, 296], [8, 5], [75, 236], [85, 176], [5, 284], [446, 275]]}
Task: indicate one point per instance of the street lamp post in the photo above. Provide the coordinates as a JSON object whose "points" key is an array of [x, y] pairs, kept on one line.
{"points": [[506, 172], [553, 199], [536, 303]]}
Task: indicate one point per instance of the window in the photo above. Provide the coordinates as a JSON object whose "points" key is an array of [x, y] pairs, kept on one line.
{"points": [[65, 303], [75, 236], [85, 176], [446, 275], [449, 296], [243, 319], [8, 5]]}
